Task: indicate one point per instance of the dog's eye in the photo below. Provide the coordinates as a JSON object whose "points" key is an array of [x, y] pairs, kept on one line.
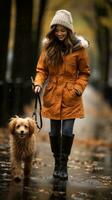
{"points": [[17, 126], [26, 126]]}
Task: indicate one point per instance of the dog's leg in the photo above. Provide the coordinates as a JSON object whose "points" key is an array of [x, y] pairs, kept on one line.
{"points": [[27, 166], [16, 170]]}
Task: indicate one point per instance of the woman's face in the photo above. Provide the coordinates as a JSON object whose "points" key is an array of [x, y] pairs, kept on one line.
{"points": [[61, 32]]}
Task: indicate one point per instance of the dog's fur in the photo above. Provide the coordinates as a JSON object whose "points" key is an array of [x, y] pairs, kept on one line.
{"points": [[22, 145]]}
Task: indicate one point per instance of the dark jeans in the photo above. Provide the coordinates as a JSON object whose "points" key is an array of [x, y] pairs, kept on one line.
{"points": [[62, 126]]}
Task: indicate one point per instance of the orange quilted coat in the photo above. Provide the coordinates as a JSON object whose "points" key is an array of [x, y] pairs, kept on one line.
{"points": [[60, 100]]}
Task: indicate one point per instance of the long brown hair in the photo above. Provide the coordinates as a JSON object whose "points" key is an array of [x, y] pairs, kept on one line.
{"points": [[55, 49]]}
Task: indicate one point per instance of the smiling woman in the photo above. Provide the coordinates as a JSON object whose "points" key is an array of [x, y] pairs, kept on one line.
{"points": [[61, 32], [64, 64]]}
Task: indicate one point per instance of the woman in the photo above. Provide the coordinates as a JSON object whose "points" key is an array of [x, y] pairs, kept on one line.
{"points": [[63, 64]]}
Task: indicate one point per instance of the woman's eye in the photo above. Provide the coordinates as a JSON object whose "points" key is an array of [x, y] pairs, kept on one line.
{"points": [[60, 31]]}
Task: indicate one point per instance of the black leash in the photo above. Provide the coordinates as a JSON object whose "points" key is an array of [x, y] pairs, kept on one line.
{"points": [[37, 99]]}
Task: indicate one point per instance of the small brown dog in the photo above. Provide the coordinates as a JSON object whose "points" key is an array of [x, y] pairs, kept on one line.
{"points": [[22, 145]]}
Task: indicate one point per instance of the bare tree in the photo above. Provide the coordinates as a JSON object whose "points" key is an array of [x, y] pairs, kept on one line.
{"points": [[5, 11], [103, 40], [22, 60]]}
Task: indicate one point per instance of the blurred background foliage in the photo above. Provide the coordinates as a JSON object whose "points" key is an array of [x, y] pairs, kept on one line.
{"points": [[23, 26]]}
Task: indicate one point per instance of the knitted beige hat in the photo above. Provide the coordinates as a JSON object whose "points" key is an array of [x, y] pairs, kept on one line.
{"points": [[64, 18]]}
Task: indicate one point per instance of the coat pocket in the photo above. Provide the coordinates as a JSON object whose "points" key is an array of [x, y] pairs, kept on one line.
{"points": [[69, 95]]}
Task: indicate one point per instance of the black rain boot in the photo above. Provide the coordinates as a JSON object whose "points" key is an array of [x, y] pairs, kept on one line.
{"points": [[55, 147], [66, 145]]}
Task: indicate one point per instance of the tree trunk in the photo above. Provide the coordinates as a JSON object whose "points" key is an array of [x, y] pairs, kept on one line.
{"points": [[102, 36], [22, 61], [22, 68], [5, 11], [37, 35]]}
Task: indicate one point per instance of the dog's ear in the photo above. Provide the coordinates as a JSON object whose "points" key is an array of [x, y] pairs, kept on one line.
{"points": [[31, 126], [12, 124]]}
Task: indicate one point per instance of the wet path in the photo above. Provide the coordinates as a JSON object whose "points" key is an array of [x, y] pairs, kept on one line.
{"points": [[89, 167], [90, 176]]}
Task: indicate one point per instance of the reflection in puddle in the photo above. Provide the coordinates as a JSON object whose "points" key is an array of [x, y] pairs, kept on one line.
{"points": [[59, 190]]}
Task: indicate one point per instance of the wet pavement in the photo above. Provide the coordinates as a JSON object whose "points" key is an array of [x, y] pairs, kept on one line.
{"points": [[89, 166]]}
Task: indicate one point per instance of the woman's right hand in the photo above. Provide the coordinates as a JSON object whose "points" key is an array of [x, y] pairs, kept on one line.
{"points": [[37, 89]]}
